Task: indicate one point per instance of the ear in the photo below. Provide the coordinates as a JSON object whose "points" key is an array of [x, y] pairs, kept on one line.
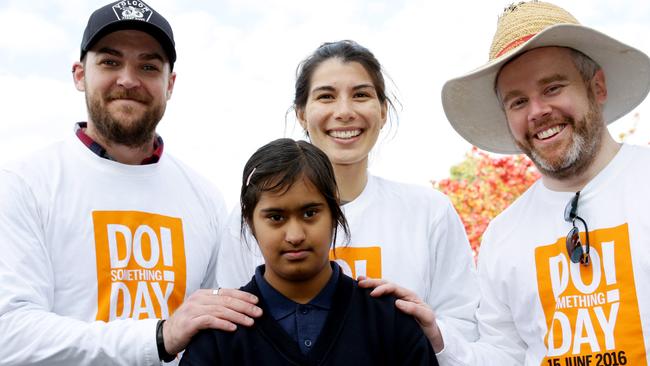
{"points": [[79, 76], [300, 115], [170, 84], [384, 113], [598, 86]]}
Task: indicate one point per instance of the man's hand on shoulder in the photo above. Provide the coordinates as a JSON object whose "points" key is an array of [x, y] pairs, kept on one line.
{"points": [[209, 309]]}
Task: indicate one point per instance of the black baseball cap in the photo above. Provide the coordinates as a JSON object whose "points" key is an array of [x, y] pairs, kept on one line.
{"points": [[129, 14]]}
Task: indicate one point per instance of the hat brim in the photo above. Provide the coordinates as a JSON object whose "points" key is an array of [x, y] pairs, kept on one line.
{"points": [[149, 28], [472, 108]]}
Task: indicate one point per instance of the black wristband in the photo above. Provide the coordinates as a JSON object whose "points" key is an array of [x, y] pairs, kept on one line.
{"points": [[160, 342]]}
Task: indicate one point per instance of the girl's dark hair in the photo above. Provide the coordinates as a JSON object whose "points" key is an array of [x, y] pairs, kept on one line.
{"points": [[276, 166], [346, 51]]}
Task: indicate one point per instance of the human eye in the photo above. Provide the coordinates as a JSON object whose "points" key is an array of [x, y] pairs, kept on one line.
{"points": [[275, 218], [325, 96], [365, 92], [108, 62], [517, 103], [150, 67], [310, 213], [553, 89]]}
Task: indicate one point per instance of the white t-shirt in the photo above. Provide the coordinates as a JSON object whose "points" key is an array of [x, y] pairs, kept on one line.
{"points": [[408, 234], [87, 245], [538, 308]]}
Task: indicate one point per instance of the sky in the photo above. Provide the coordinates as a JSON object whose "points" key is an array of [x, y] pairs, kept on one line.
{"points": [[236, 70]]}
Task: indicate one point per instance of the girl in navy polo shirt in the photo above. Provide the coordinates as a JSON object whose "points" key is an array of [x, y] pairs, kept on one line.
{"points": [[313, 313]]}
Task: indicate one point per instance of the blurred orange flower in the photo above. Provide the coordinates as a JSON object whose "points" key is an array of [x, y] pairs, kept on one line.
{"points": [[482, 186]]}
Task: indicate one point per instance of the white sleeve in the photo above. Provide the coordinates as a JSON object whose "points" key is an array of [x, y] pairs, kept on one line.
{"points": [[30, 333], [220, 217], [453, 293], [499, 342], [237, 258]]}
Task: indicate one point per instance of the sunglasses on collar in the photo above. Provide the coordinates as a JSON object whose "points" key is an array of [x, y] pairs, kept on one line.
{"points": [[573, 243]]}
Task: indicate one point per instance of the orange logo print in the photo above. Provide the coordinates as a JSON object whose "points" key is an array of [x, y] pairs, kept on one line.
{"points": [[357, 262], [140, 264], [592, 312]]}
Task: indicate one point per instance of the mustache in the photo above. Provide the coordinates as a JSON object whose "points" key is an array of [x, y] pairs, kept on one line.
{"points": [[552, 120], [549, 121], [132, 94]]}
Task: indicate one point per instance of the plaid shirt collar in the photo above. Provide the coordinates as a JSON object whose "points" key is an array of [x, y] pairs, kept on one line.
{"points": [[96, 148]]}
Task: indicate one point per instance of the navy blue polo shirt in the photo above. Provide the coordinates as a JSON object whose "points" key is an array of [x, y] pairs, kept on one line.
{"points": [[302, 322]]}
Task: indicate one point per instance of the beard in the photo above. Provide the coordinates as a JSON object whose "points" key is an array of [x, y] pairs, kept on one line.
{"points": [[132, 130], [585, 143]]}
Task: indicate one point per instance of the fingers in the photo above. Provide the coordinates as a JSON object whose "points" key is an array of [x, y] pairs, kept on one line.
{"points": [[383, 287], [227, 309], [206, 309], [236, 301], [367, 282], [409, 303], [376, 284], [238, 294], [212, 322], [421, 312], [425, 316]]}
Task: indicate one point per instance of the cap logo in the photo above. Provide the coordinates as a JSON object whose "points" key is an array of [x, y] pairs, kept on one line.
{"points": [[132, 10]]}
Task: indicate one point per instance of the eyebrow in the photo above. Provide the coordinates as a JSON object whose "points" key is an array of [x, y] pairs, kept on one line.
{"points": [[552, 78], [143, 56], [301, 208], [152, 56], [110, 51], [511, 94], [323, 88], [541, 82], [331, 88], [363, 86]]}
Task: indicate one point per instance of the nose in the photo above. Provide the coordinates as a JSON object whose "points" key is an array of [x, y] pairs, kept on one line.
{"points": [[128, 77], [295, 233], [539, 110], [344, 110]]}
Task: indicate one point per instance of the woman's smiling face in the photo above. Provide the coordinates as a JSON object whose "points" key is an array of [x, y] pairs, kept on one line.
{"points": [[343, 114]]}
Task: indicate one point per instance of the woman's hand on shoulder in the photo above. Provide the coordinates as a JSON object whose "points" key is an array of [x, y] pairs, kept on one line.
{"points": [[409, 303]]}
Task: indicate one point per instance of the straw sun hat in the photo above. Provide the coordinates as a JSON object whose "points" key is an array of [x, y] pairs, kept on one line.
{"points": [[470, 102]]}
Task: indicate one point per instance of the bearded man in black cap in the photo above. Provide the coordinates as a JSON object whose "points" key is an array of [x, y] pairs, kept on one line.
{"points": [[102, 235]]}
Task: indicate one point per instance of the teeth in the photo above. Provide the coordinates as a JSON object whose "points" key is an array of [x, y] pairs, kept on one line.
{"points": [[550, 132], [347, 134]]}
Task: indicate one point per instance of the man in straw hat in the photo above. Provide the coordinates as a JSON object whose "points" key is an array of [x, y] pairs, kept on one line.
{"points": [[565, 270], [103, 235]]}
